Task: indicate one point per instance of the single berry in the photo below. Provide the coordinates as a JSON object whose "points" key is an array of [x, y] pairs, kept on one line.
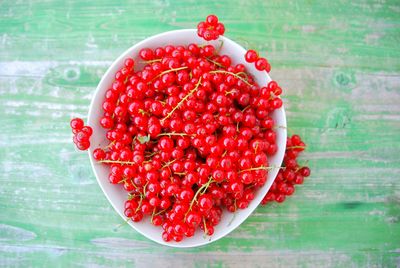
{"points": [[76, 123], [261, 64], [251, 56]]}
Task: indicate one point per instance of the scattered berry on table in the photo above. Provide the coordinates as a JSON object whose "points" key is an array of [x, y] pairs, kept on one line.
{"points": [[81, 133], [290, 174]]}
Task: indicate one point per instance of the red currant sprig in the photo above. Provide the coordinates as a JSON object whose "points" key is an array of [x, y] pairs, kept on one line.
{"points": [[260, 63], [210, 29], [81, 133], [291, 175]]}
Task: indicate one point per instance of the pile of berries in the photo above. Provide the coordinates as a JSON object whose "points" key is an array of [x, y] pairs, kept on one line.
{"points": [[189, 135], [210, 29], [290, 174], [81, 133]]}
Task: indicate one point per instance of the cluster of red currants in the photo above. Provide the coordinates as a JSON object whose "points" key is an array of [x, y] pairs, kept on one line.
{"points": [[81, 133], [290, 174], [189, 135], [210, 29], [260, 63]]}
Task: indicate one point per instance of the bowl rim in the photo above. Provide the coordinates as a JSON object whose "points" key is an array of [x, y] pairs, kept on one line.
{"points": [[102, 84]]}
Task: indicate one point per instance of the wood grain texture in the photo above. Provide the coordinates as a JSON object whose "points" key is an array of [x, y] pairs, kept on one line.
{"points": [[339, 63]]}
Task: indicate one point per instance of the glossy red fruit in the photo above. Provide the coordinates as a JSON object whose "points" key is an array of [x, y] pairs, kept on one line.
{"points": [[251, 56], [76, 123], [261, 64], [99, 154]]}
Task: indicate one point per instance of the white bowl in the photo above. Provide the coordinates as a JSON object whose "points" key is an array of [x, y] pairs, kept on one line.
{"points": [[117, 196]]}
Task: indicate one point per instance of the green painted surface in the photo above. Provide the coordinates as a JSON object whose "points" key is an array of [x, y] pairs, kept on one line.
{"points": [[339, 62]]}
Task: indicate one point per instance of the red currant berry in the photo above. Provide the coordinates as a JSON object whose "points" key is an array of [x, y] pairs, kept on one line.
{"points": [[99, 154], [146, 54], [251, 56], [261, 64], [76, 123], [212, 20]]}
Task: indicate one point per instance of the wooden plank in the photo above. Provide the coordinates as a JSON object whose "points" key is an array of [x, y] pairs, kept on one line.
{"points": [[339, 63]]}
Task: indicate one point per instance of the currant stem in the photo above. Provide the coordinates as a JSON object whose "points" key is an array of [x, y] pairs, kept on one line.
{"points": [[133, 184], [109, 145], [172, 134], [243, 73], [259, 168], [152, 215], [169, 71], [183, 100], [144, 189], [255, 149], [121, 224], [131, 196], [142, 197], [150, 155], [203, 187], [168, 163], [150, 61], [140, 203], [123, 181], [220, 46], [205, 227], [118, 162], [228, 92], [160, 212], [236, 75], [216, 63], [290, 130], [245, 108], [296, 147], [280, 127], [302, 165], [143, 112]]}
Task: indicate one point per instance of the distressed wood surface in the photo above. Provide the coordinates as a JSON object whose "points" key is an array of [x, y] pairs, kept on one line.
{"points": [[339, 62]]}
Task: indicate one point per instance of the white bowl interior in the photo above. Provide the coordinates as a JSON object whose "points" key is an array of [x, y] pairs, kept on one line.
{"points": [[117, 196]]}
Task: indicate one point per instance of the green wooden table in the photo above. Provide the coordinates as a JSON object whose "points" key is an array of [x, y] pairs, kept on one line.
{"points": [[339, 63]]}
